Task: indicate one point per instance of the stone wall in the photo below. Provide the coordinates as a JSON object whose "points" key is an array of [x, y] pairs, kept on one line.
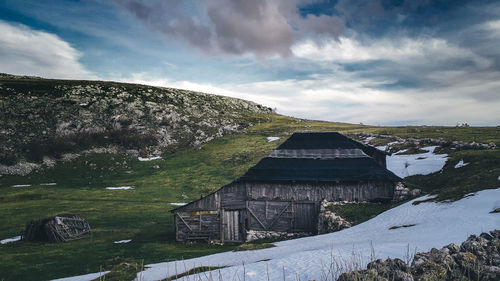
{"points": [[328, 221]]}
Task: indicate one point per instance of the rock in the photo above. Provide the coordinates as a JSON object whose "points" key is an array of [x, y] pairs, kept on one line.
{"points": [[328, 221], [402, 193], [253, 235], [478, 258]]}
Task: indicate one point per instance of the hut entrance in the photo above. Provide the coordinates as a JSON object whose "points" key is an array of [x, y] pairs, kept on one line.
{"points": [[233, 221], [305, 217]]}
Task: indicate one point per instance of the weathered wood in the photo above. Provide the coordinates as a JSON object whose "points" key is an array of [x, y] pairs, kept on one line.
{"points": [[251, 213], [221, 225], [185, 223], [278, 216]]}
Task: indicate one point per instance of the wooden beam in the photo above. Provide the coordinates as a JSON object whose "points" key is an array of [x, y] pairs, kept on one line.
{"points": [[184, 222], [279, 215], [221, 219], [250, 211]]}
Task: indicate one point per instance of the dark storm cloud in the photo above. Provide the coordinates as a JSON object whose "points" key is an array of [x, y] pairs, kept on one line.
{"points": [[171, 19], [261, 27], [271, 27]]}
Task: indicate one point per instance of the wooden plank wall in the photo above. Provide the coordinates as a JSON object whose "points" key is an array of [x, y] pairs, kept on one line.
{"points": [[361, 191], [233, 197], [210, 202], [197, 225], [283, 216]]}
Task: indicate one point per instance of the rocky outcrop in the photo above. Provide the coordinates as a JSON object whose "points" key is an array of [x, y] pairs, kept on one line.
{"points": [[42, 117], [478, 258], [328, 221], [457, 145], [402, 193]]}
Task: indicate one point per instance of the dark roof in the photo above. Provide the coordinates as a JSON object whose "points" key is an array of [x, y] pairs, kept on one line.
{"points": [[323, 157], [324, 140], [336, 170]]}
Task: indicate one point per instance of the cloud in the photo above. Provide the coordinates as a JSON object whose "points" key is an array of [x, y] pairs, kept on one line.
{"points": [[31, 52], [345, 97], [399, 49], [264, 28]]}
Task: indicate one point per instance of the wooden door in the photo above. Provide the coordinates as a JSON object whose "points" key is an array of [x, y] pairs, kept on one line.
{"points": [[305, 217], [233, 226]]}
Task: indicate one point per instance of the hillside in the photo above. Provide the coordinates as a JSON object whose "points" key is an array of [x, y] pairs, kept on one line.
{"points": [[186, 170], [42, 119]]}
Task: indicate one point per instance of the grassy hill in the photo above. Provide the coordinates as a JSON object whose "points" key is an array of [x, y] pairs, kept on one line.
{"points": [[181, 175], [42, 119]]}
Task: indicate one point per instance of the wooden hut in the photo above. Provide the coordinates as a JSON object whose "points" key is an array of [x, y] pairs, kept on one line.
{"points": [[283, 192]]}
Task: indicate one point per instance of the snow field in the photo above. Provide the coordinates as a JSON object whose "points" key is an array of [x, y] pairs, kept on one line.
{"points": [[315, 257], [416, 164]]}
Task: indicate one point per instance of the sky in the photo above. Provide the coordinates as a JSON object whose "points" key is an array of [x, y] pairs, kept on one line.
{"points": [[379, 62]]}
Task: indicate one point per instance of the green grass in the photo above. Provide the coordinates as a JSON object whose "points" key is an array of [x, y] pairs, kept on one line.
{"points": [[142, 214], [482, 172], [253, 246], [192, 271], [356, 213]]}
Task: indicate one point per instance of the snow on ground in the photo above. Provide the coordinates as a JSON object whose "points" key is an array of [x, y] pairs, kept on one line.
{"points": [[123, 241], [10, 240], [21, 185], [149, 158], [49, 183], [86, 277], [461, 164], [416, 164], [270, 139], [368, 140], [309, 258], [178, 204], [119, 187]]}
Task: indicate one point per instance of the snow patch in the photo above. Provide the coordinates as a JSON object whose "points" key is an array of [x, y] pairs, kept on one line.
{"points": [[123, 241], [382, 147], [368, 139], [178, 204], [86, 277], [21, 185], [436, 224], [461, 164], [49, 183], [119, 187], [149, 158], [270, 139], [10, 240], [416, 164]]}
